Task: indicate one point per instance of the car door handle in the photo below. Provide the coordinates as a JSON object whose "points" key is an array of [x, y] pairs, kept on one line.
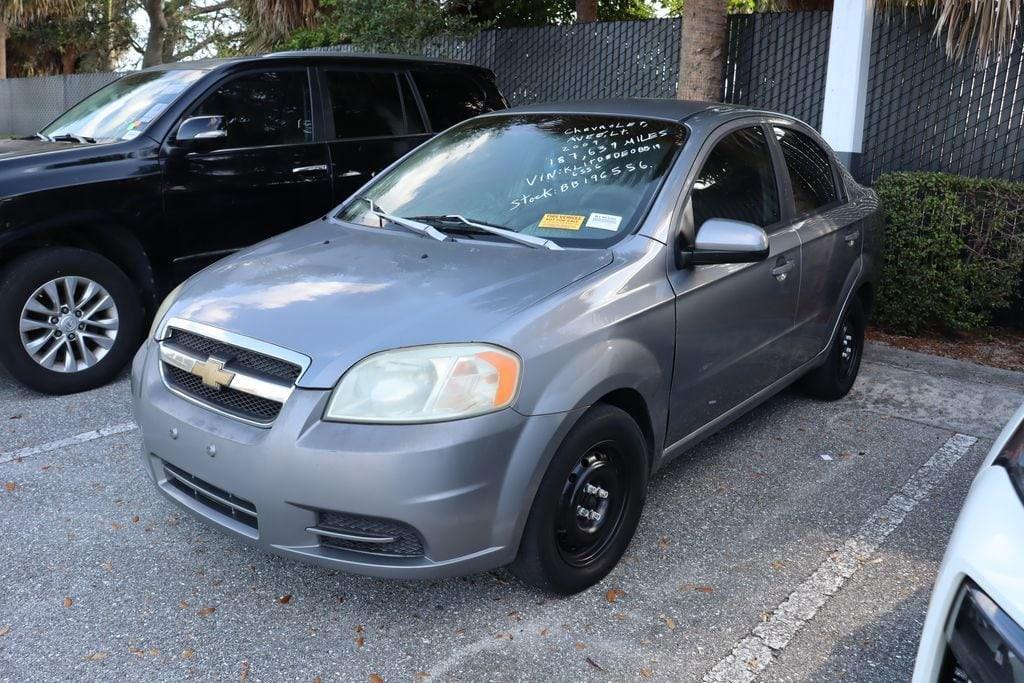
{"points": [[310, 169], [852, 237], [780, 271]]}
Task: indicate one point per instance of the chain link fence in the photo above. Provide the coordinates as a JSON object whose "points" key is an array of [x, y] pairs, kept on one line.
{"points": [[28, 104], [777, 61], [571, 62], [925, 112]]}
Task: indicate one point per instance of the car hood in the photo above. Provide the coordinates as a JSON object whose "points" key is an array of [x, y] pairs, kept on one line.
{"points": [[12, 149], [339, 293]]}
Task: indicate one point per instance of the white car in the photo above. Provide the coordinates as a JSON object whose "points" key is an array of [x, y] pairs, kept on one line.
{"points": [[974, 630]]}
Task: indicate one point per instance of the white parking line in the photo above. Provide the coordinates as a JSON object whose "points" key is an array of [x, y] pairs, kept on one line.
{"points": [[754, 653], [65, 442]]}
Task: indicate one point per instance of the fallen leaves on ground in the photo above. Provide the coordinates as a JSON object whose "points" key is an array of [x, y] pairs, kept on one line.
{"points": [[285, 599], [613, 594], [376, 678], [669, 622], [135, 519], [778, 564], [4, 630], [594, 664], [647, 672], [108, 566], [360, 640], [183, 605], [68, 602], [95, 656], [243, 675], [10, 486], [206, 611], [581, 646], [187, 654], [663, 544]]}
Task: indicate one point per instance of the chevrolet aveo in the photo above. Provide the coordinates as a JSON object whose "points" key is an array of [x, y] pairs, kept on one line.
{"points": [[480, 358]]}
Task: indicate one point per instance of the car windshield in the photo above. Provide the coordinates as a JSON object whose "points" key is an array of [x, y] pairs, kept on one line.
{"points": [[123, 109], [578, 180]]}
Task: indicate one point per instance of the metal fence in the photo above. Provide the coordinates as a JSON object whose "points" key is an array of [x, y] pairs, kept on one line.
{"points": [[925, 112], [28, 104], [777, 61], [571, 62]]}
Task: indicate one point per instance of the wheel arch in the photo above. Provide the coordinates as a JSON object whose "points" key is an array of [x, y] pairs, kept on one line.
{"points": [[95, 232], [632, 402]]}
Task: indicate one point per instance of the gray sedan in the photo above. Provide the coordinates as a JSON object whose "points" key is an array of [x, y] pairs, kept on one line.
{"points": [[481, 357]]}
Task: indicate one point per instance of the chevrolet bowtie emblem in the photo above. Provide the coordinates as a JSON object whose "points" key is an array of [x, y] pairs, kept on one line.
{"points": [[213, 374]]}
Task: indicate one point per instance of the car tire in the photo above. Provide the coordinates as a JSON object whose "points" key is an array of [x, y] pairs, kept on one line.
{"points": [[562, 552], [835, 378], [58, 341]]}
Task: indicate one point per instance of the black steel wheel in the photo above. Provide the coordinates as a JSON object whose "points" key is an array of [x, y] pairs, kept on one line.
{"points": [[587, 506], [835, 378]]}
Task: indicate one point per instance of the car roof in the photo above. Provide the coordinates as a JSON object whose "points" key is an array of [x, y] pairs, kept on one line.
{"points": [[668, 109], [315, 57]]}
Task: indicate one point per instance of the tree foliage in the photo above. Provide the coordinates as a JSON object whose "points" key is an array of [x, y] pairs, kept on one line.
{"points": [[87, 39]]}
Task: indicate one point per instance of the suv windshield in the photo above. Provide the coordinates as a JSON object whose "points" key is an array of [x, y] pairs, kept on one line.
{"points": [[123, 109], [580, 180]]}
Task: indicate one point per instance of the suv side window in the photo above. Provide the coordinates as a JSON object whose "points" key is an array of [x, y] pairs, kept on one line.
{"points": [[451, 97], [261, 109], [370, 104], [810, 171], [737, 181]]}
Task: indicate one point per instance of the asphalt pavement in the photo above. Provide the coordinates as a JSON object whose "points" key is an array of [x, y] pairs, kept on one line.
{"points": [[799, 544]]}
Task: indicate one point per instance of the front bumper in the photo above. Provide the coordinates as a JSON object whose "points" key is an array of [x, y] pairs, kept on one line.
{"points": [[465, 487], [978, 597]]}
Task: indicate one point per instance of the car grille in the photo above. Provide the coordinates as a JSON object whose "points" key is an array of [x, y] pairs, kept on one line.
{"points": [[245, 359], [406, 541], [236, 403], [211, 496]]}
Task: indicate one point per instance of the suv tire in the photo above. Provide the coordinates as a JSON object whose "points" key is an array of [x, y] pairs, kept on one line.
{"points": [[562, 551], [69, 320]]}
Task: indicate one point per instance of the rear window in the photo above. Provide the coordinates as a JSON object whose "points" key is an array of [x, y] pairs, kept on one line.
{"points": [[454, 96]]}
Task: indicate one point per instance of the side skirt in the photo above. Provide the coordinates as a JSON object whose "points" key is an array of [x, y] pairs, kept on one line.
{"points": [[695, 437]]}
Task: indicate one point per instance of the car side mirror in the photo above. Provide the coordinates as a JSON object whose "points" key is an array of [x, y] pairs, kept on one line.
{"points": [[721, 240], [200, 130]]}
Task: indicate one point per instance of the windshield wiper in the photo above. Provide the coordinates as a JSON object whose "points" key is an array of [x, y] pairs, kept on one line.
{"points": [[511, 235], [72, 137], [40, 136], [407, 223]]}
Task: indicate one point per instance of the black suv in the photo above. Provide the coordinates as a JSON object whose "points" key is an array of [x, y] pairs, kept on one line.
{"points": [[166, 170]]}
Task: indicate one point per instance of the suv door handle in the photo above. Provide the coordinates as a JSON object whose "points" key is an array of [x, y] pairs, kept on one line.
{"points": [[310, 169], [782, 268], [852, 237]]}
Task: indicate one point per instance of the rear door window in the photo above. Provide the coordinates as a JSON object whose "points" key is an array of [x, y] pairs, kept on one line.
{"points": [[810, 171], [737, 181], [453, 96], [368, 104], [262, 109]]}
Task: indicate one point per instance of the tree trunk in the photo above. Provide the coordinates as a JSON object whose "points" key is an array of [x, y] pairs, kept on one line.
{"points": [[586, 11], [68, 60], [702, 52], [154, 53], [4, 31]]}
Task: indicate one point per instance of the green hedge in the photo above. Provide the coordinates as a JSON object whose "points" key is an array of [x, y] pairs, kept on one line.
{"points": [[954, 250]]}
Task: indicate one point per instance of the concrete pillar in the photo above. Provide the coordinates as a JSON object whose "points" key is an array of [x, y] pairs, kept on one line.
{"points": [[846, 84]]}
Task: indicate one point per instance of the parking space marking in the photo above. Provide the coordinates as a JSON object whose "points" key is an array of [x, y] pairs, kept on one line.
{"points": [[755, 652], [51, 446]]}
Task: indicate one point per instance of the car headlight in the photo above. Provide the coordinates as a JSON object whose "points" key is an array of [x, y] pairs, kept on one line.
{"points": [[427, 384], [156, 329], [1012, 458]]}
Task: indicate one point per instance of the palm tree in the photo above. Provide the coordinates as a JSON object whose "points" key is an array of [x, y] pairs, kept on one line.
{"points": [[19, 12], [986, 24]]}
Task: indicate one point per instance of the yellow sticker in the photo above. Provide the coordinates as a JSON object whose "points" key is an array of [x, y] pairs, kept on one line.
{"points": [[561, 221]]}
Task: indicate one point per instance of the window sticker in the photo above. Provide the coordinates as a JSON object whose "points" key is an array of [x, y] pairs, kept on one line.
{"points": [[604, 221], [561, 221]]}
